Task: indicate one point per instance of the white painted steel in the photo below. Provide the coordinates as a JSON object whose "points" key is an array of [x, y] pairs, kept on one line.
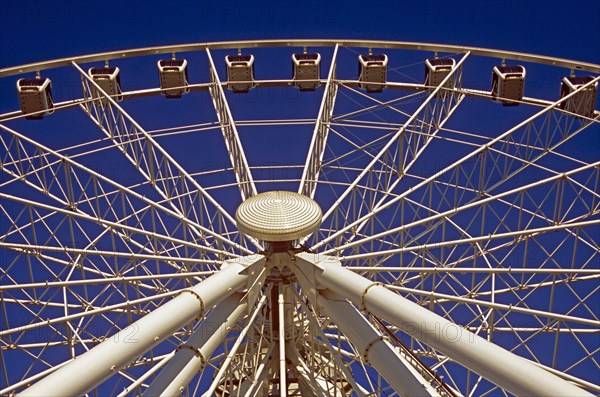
{"points": [[102, 181], [260, 375], [475, 152], [502, 367], [429, 47], [282, 320], [316, 151], [403, 377], [194, 354], [395, 138], [101, 362], [471, 240], [237, 156], [238, 342], [118, 125], [141, 380]]}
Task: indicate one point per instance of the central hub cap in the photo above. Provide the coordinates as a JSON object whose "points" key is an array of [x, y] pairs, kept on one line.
{"points": [[278, 216]]}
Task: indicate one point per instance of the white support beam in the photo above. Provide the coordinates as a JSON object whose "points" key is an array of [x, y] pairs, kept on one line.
{"points": [[31, 379], [443, 113], [496, 364], [282, 320], [106, 280], [309, 383], [396, 370], [142, 379], [84, 191], [498, 306], [32, 249], [335, 355], [115, 353], [316, 151], [243, 175], [236, 345], [260, 375], [101, 222], [434, 119], [85, 313], [194, 354]]}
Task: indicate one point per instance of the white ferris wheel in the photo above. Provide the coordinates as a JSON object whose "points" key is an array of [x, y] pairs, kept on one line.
{"points": [[300, 218]]}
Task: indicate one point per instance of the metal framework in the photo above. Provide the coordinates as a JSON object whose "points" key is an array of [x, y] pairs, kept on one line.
{"points": [[458, 253], [243, 175], [314, 160]]}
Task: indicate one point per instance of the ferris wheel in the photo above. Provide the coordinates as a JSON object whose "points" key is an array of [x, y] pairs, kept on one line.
{"points": [[300, 218]]}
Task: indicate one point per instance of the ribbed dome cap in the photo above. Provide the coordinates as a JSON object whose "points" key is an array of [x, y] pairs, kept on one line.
{"points": [[278, 216]]}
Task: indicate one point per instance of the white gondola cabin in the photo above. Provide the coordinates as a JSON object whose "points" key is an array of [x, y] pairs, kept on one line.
{"points": [[436, 71], [584, 101], [372, 72], [35, 96], [240, 72], [173, 74], [109, 79], [306, 67], [508, 84]]}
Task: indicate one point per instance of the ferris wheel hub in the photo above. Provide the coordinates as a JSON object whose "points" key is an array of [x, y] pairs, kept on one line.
{"points": [[278, 216]]}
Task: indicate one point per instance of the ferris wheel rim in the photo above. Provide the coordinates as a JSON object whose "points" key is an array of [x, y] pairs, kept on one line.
{"points": [[248, 44]]}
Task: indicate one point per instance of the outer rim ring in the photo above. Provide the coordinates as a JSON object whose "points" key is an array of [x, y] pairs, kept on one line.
{"points": [[432, 47]]}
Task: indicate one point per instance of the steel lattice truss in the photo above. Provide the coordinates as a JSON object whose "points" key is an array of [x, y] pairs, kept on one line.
{"points": [[485, 216]]}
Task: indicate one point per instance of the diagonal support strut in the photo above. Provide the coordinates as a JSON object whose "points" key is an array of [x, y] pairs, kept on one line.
{"points": [[500, 366]]}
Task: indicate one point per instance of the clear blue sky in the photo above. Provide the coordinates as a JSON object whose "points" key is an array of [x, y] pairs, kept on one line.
{"points": [[39, 30]]}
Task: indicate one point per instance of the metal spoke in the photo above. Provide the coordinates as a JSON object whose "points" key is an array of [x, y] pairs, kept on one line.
{"points": [[312, 167], [518, 191], [388, 167], [84, 190], [339, 280], [400, 136], [478, 184], [160, 170], [243, 175]]}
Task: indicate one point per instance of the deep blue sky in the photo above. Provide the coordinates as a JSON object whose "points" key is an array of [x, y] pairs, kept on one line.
{"points": [[43, 30], [40, 30]]}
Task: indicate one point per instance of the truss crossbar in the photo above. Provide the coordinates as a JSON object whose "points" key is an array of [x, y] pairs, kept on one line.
{"points": [[411, 145], [485, 183], [87, 190], [521, 234]]}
